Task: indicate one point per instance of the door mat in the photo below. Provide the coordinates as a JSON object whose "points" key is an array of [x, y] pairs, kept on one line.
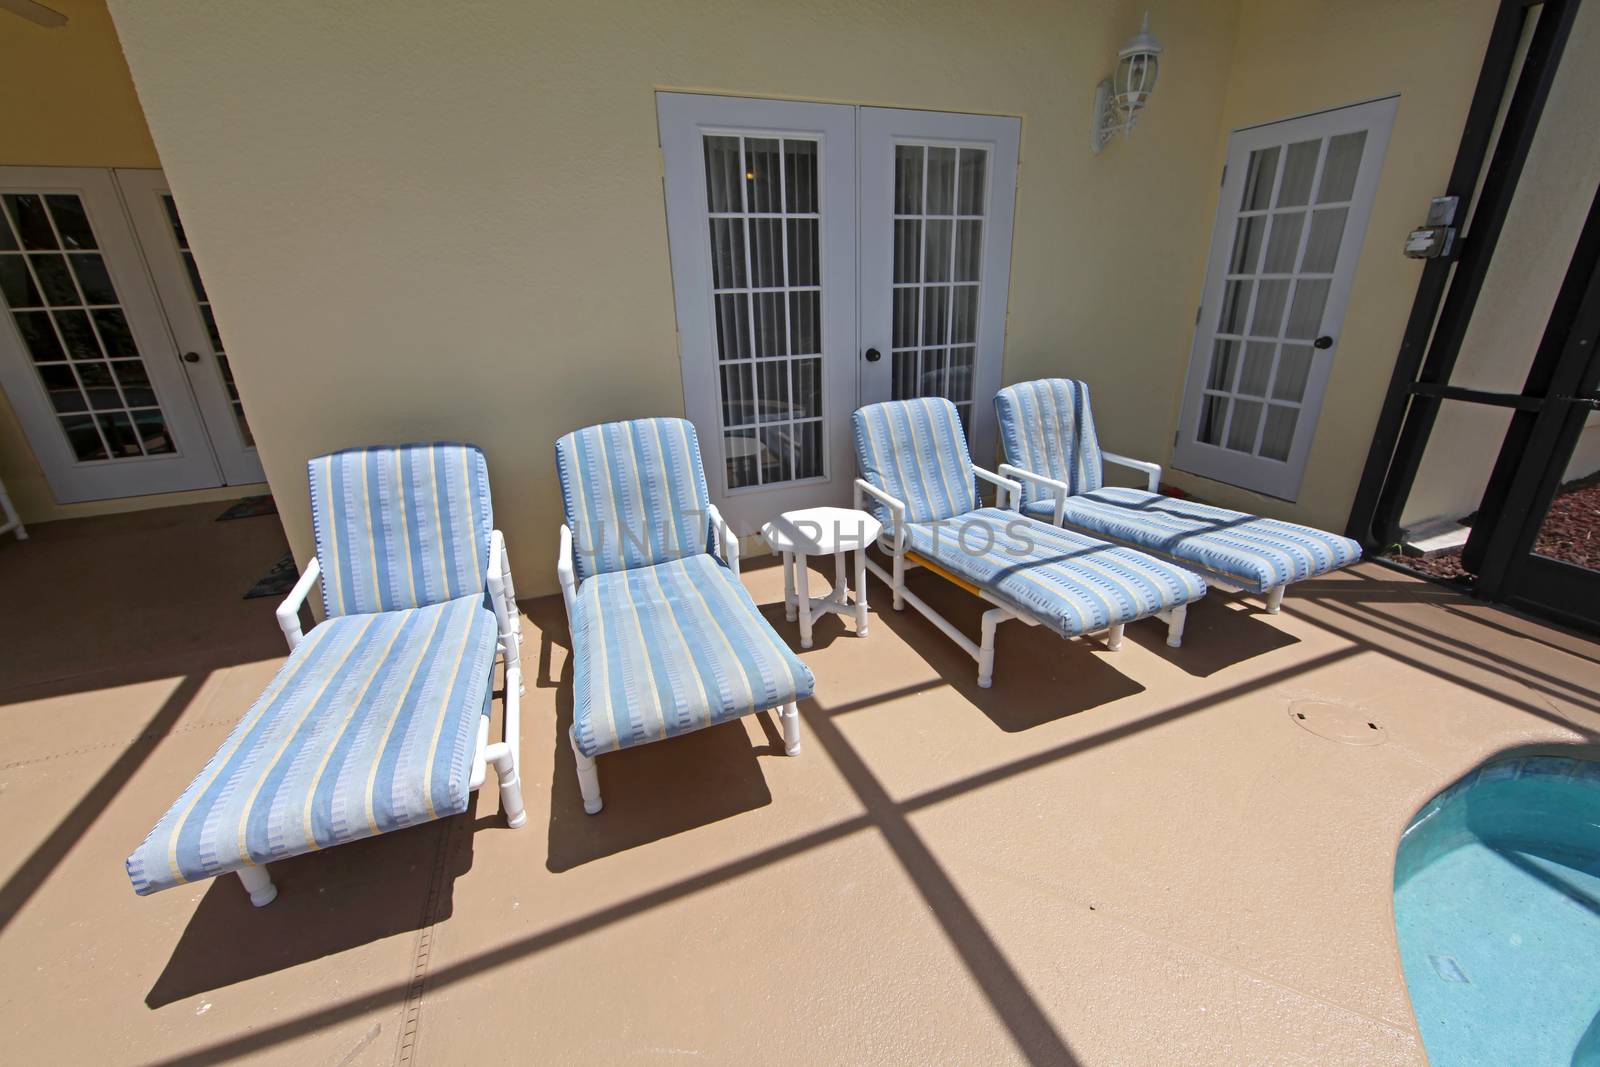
{"points": [[249, 508], [277, 581]]}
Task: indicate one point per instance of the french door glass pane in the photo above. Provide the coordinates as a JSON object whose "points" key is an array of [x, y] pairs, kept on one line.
{"points": [[1322, 246], [1242, 427], [1283, 252], [1247, 245], [764, 217], [1213, 414], [940, 202], [1278, 433], [1284, 242], [203, 302], [82, 348], [1294, 367], [1339, 172], [1260, 178], [1299, 167]]}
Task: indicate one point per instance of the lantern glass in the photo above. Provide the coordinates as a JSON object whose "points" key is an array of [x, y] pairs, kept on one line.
{"points": [[1135, 78]]}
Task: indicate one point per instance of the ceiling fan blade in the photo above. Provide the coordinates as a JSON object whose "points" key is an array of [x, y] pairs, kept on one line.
{"points": [[34, 12]]}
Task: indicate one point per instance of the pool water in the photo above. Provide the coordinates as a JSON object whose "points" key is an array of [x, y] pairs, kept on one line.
{"points": [[1497, 909]]}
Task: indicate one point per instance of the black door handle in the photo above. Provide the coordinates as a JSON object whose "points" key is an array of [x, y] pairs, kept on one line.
{"points": [[873, 355], [1322, 342], [191, 357]]}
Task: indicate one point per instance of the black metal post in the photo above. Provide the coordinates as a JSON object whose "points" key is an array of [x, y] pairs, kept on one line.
{"points": [[1529, 468], [1405, 420]]}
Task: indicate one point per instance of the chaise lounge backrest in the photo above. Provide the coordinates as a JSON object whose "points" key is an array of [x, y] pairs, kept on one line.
{"points": [[634, 493], [1047, 427], [916, 450], [400, 527]]}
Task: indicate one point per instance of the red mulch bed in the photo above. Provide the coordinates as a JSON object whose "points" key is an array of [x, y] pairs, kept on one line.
{"points": [[1571, 532]]}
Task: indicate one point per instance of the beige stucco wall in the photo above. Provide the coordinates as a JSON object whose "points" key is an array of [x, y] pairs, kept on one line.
{"points": [[445, 220], [69, 103], [1530, 261]]}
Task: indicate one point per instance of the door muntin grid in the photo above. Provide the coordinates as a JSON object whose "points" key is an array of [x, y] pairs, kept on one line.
{"points": [[59, 291], [1288, 230], [940, 211], [203, 303], [764, 222]]}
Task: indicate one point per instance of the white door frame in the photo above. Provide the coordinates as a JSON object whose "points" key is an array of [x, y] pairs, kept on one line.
{"points": [[685, 118], [1275, 478], [881, 129], [193, 464], [143, 192]]}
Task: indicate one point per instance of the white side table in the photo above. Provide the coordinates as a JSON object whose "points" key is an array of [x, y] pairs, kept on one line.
{"points": [[822, 532]]}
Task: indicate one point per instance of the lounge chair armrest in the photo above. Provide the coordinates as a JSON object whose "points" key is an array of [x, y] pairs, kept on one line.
{"points": [[1059, 490], [289, 610], [896, 506], [1010, 484], [727, 540], [497, 582], [566, 574], [1152, 470]]}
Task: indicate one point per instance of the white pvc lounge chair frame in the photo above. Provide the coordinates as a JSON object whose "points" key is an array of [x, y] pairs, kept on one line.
{"points": [[1152, 472], [1008, 492], [503, 754], [727, 544]]}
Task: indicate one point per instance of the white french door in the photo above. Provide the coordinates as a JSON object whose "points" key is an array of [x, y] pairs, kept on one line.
{"points": [[761, 222], [165, 244], [1295, 200], [937, 196], [88, 357], [826, 256]]}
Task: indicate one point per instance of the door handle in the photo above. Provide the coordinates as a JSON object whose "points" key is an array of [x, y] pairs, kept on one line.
{"points": [[872, 355], [191, 357], [1322, 342]]}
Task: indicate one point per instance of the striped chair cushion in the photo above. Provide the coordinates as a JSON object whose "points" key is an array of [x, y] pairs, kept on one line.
{"points": [[1072, 583], [1047, 428], [370, 726], [400, 527], [916, 450], [1253, 553], [671, 648], [635, 494]]}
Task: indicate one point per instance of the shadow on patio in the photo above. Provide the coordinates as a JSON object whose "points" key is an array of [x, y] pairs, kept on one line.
{"points": [[1168, 826]]}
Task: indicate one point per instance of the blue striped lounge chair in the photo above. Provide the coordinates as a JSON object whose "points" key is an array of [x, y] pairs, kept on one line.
{"points": [[1048, 431], [919, 476], [664, 637], [380, 717]]}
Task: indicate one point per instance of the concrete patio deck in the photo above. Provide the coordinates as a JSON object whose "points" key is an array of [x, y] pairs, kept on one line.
{"points": [[1133, 857]]}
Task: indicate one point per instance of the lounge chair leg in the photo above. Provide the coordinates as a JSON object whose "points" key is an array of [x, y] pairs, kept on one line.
{"points": [[259, 885], [991, 619], [1175, 622], [899, 581], [1275, 599], [505, 767], [1114, 637], [588, 778], [790, 715]]}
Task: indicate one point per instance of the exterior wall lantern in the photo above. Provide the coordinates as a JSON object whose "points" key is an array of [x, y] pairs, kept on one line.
{"points": [[1119, 98]]}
